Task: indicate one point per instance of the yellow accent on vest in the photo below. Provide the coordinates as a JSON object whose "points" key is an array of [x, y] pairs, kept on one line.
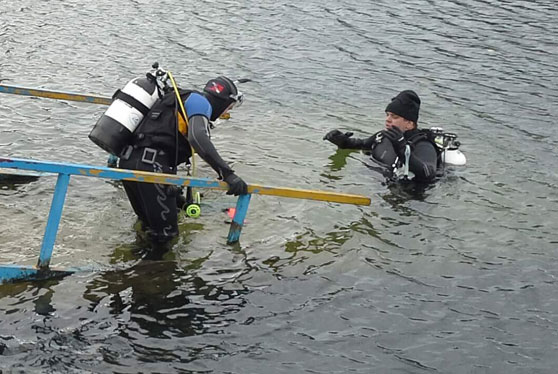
{"points": [[182, 125]]}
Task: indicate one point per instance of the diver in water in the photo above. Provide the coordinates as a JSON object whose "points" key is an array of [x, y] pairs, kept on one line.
{"points": [[402, 149], [163, 140]]}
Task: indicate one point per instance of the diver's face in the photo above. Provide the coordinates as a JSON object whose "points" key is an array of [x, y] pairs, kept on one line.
{"points": [[394, 120]]}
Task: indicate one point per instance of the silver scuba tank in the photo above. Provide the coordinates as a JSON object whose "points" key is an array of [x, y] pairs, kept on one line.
{"points": [[113, 131]]}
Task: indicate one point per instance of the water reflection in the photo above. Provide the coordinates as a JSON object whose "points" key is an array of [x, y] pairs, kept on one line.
{"points": [[40, 293], [339, 160], [11, 181], [145, 249], [163, 298], [401, 192], [124, 315]]}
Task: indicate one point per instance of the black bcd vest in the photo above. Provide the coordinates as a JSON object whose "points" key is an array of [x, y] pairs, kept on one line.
{"points": [[159, 129], [428, 135]]}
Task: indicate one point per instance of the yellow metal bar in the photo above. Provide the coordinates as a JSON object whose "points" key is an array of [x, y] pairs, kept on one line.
{"points": [[294, 193], [58, 95]]}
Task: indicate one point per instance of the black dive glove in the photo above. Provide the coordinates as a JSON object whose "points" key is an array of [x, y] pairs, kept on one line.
{"points": [[236, 185], [397, 139], [338, 138]]}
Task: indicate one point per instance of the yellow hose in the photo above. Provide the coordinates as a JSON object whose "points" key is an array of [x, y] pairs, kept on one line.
{"points": [[182, 128]]}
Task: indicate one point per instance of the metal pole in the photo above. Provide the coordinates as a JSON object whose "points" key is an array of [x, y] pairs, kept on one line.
{"points": [[238, 219], [53, 219], [57, 95]]}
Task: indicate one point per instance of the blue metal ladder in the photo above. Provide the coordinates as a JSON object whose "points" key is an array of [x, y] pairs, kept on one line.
{"points": [[42, 270]]}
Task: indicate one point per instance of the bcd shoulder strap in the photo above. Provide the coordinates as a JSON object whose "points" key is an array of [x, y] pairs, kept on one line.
{"points": [[169, 100], [422, 134]]}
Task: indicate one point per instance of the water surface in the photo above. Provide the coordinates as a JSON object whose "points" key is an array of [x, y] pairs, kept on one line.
{"points": [[457, 278]]}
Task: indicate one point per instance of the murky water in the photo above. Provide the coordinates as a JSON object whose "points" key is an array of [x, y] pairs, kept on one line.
{"points": [[459, 278]]}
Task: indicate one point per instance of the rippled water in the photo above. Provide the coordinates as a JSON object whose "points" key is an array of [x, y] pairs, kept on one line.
{"points": [[459, 278]]}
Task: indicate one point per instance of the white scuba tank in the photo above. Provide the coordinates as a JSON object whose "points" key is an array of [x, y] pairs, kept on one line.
{"points": [[451, 155], [113, 131]]}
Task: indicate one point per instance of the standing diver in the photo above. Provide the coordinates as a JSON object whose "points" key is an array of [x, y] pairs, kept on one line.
{"points": [[162, 140], [401, 148]]}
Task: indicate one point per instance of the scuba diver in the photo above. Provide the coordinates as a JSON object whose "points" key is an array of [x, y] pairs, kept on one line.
{"points": [[403, 151], [154, 136]]}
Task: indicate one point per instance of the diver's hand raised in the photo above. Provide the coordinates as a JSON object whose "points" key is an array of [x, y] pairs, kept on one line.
{"points": [[338, 138]]}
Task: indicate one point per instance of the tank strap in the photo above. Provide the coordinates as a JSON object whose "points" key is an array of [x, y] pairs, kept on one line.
{"points": [[119, 94], [420, 135], [377, 140]]}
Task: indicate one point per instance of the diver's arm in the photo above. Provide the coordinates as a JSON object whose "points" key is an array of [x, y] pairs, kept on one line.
{"points": [[423, 161], [199, 112], [198, 137], [346, 141], [359, 143]]}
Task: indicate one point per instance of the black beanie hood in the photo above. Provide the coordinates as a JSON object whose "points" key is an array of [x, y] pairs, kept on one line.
{"points": [[218, 92], [406, 104]]}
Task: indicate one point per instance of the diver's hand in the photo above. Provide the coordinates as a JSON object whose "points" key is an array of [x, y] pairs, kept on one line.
{"points": [[236, 185], [338, 138], [396, 138]]}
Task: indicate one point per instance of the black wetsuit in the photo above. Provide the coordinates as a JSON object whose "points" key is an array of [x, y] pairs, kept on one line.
{"points": [[423, 162], [158, 146]]}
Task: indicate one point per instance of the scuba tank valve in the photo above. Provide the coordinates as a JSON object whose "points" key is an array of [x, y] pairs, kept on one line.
{"points": [[449, 146], [160, 76]]}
